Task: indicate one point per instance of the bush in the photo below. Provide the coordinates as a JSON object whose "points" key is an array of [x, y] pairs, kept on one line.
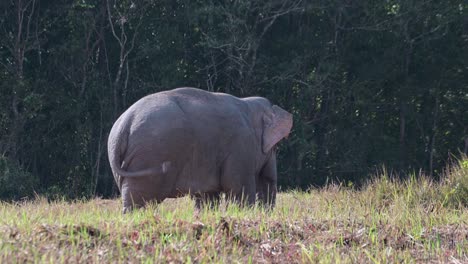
{"points": [[451, 191], [15, 182], [454, 189]]}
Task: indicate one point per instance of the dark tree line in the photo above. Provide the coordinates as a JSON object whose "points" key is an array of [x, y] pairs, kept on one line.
{"points": [[370, 83]]}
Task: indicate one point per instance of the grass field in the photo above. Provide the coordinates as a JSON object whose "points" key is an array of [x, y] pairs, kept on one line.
{"points": [[387, 221]]}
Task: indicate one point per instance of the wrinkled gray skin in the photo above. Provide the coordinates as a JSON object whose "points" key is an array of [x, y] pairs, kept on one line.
{"points": [[190, 141]]}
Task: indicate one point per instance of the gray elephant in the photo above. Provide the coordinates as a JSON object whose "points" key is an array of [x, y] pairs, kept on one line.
{"points": [[191, 141]]}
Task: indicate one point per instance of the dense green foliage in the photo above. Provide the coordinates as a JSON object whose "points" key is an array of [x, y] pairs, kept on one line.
{"points": [[15, 183], [368, 82]]}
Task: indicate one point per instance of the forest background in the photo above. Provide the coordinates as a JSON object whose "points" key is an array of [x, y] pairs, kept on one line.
{"points": [[370, 83]]}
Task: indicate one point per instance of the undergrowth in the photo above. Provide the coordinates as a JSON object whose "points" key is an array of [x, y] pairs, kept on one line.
{"points": [[389, 221]]}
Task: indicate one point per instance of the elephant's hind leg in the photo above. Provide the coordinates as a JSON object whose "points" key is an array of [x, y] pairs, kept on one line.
{"points": [[136, 194]]}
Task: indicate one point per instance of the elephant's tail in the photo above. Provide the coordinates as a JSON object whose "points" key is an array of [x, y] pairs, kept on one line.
{"points": [[158, 170], [117, 148]]}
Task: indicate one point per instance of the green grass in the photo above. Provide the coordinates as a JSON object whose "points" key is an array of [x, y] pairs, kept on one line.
{"points": [[388, 221]]}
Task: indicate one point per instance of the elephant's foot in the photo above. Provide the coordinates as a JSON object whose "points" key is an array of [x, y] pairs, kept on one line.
{"points": [[242, 199], [127, 210], [210, 200], [130, 208], [266, 196]]}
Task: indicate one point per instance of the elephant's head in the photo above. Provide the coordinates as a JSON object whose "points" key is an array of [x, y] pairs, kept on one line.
{"points": [[273, 124]]}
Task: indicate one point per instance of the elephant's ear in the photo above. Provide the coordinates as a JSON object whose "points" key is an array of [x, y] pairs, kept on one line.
{"points": [[277, 124]]}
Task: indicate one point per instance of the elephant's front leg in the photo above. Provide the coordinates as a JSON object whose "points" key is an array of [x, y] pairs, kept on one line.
{"points": [[245, 196], [237, 178], [238, 182], [266, 193], [267, 183]]}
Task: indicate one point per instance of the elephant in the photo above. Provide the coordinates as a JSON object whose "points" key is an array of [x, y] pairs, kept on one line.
{"points": [[191, 141]]}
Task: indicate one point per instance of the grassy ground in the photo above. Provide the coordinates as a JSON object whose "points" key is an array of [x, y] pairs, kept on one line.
{"points": [[386, 222]]}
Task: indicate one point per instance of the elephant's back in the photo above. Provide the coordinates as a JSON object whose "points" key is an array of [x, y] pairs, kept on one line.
{"points": [[210, 108], [203, 115], [190, 101]]}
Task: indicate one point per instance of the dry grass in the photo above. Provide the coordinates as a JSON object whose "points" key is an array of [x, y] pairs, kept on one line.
{"points": [[388, 221]]}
